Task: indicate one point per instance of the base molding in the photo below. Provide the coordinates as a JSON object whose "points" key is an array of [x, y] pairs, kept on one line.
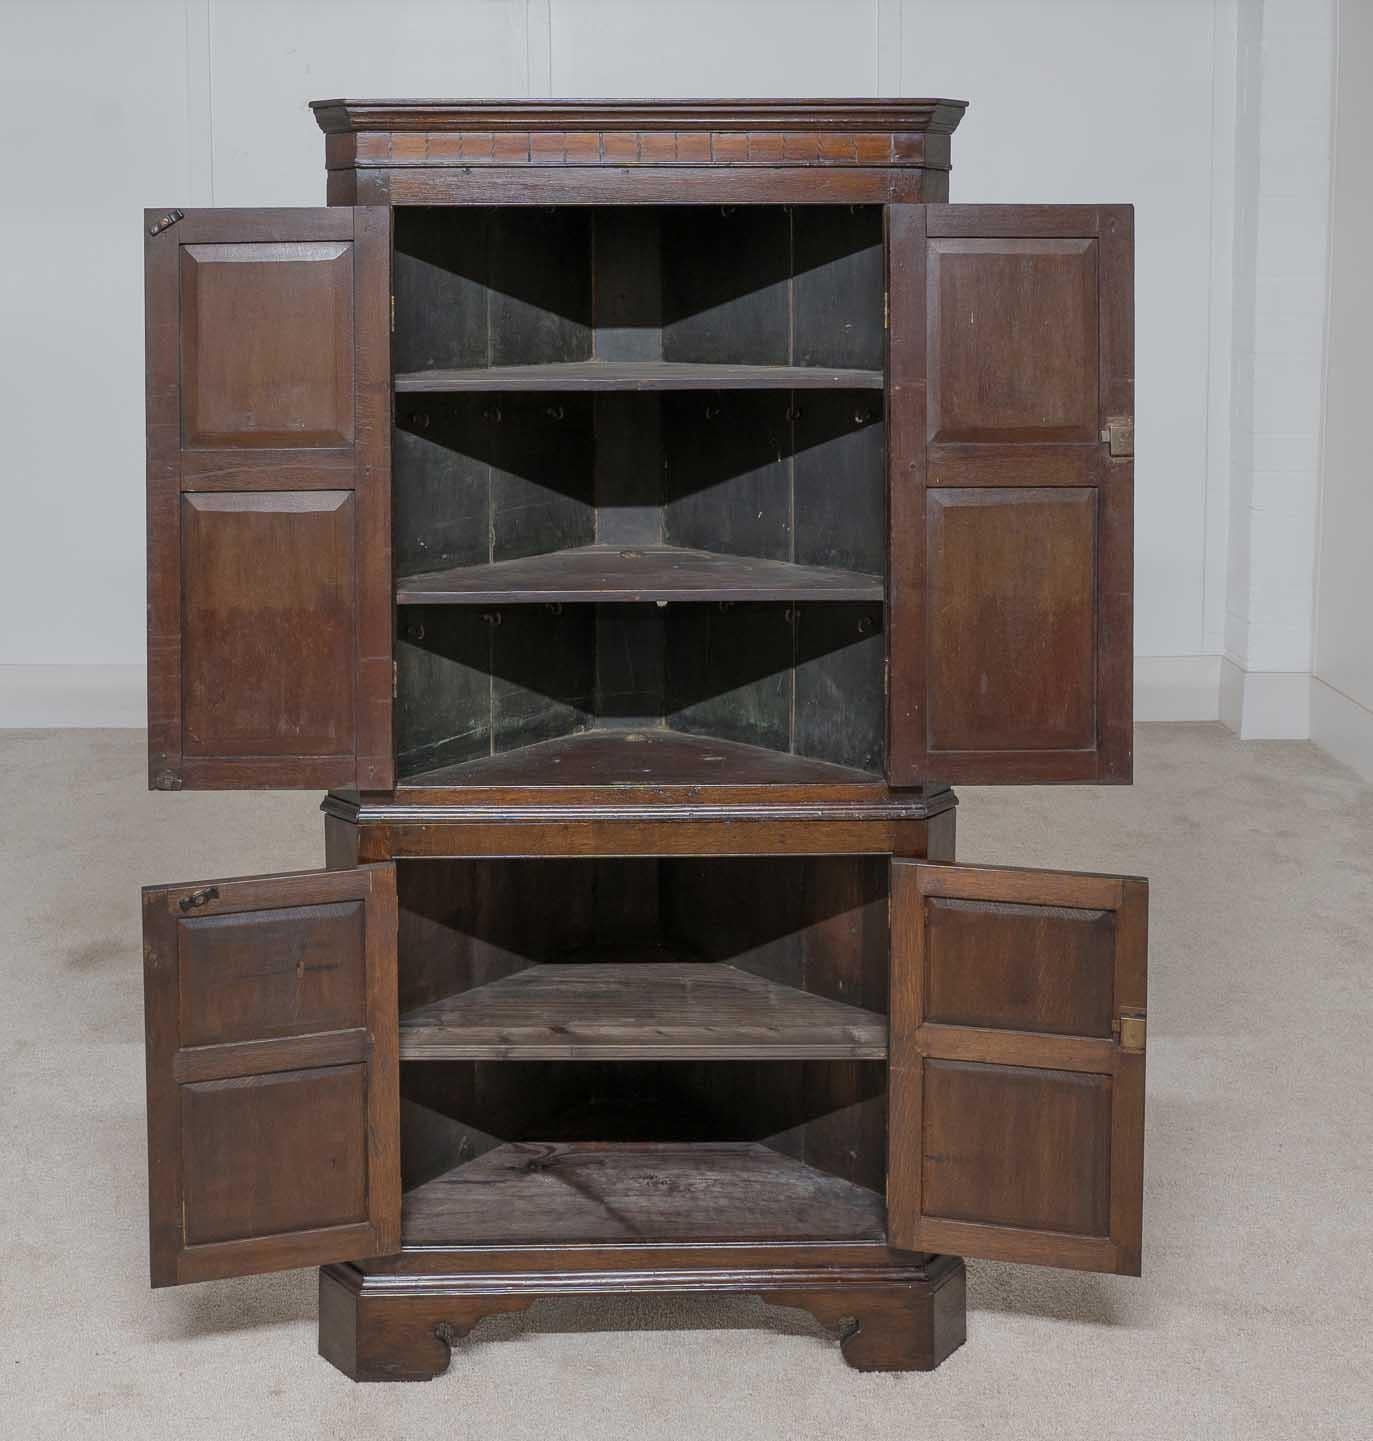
{"points": [[896, 1315], [1342, 727], [1265, 705]]}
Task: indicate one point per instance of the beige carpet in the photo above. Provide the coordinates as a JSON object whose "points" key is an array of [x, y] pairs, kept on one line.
{"points": [[1251, 1321]]}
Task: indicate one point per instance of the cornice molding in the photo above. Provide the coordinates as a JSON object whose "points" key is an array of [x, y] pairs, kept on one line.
{"points": [[928, 116]]}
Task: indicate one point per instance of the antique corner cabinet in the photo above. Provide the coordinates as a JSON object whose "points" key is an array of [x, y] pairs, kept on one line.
{"points": [[635, 516]]}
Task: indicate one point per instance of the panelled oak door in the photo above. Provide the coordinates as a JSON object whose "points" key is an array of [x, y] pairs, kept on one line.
{"points": [[269, 605], [1017, 1065], [1011, 436], [273, 1072]]}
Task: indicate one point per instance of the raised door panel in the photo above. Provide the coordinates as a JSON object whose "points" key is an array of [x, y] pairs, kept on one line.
{"points": [[273, 1155], [1013, 339], [1017, 1065], [273, 1080], [1011, 493], [267, 348], [270, 613], [1010, 578], [268, 620]]}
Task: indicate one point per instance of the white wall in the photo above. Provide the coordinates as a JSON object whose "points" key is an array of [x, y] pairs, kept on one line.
{"points": [[1342, 692], [1279, 281], [127, 103]]}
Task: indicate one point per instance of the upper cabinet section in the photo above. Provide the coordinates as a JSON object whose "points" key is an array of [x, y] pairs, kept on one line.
{"points": [[269, 639], [581, 152], [639, 488], [704, 423], [1010, 423]]}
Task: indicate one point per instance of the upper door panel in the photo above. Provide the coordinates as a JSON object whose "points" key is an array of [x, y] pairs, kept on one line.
{"points": [[269, 615], [1011, 365]]}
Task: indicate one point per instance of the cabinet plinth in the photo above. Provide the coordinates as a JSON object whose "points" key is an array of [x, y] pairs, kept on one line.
{"points": [[889, 1312]]}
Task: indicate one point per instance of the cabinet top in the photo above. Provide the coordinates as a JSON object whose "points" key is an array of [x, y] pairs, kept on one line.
{"points": [[929, 116]]}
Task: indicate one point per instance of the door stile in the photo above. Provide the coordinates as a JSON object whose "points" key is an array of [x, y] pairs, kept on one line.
{"points": [[906, 425], [376, 762]]}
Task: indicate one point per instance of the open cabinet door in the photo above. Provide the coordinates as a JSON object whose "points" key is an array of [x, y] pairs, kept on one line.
{"points": [[269, 498], [1011, 435], [1017, 1065], [273, 1077]]}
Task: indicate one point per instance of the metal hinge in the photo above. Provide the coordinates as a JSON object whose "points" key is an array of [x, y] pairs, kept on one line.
{"points": [[886, 310], [395, 679], [166, 222], [1119, 434], [1129, 1033], [393, 315]]}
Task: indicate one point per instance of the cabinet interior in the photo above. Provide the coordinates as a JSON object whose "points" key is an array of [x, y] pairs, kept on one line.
{"points": [[639, 484], [692, 1045]]}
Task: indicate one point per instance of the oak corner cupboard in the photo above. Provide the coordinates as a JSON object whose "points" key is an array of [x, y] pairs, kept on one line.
{"points": [[636, 516]]}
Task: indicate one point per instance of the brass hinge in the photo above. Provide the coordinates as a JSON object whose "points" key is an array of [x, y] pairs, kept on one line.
{"points": [[395, 679], [886, 310], [393, 315], [1129, 1033], [166, 221], [1119, 435]]}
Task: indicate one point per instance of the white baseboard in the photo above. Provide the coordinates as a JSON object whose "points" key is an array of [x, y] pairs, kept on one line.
{"points": [[1265, 705], [1177, 687], [39, 696], [1342, 726]]}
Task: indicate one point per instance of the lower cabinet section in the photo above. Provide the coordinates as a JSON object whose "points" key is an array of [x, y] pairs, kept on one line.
{"points": [[481, 1080], [630, 1049]]}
